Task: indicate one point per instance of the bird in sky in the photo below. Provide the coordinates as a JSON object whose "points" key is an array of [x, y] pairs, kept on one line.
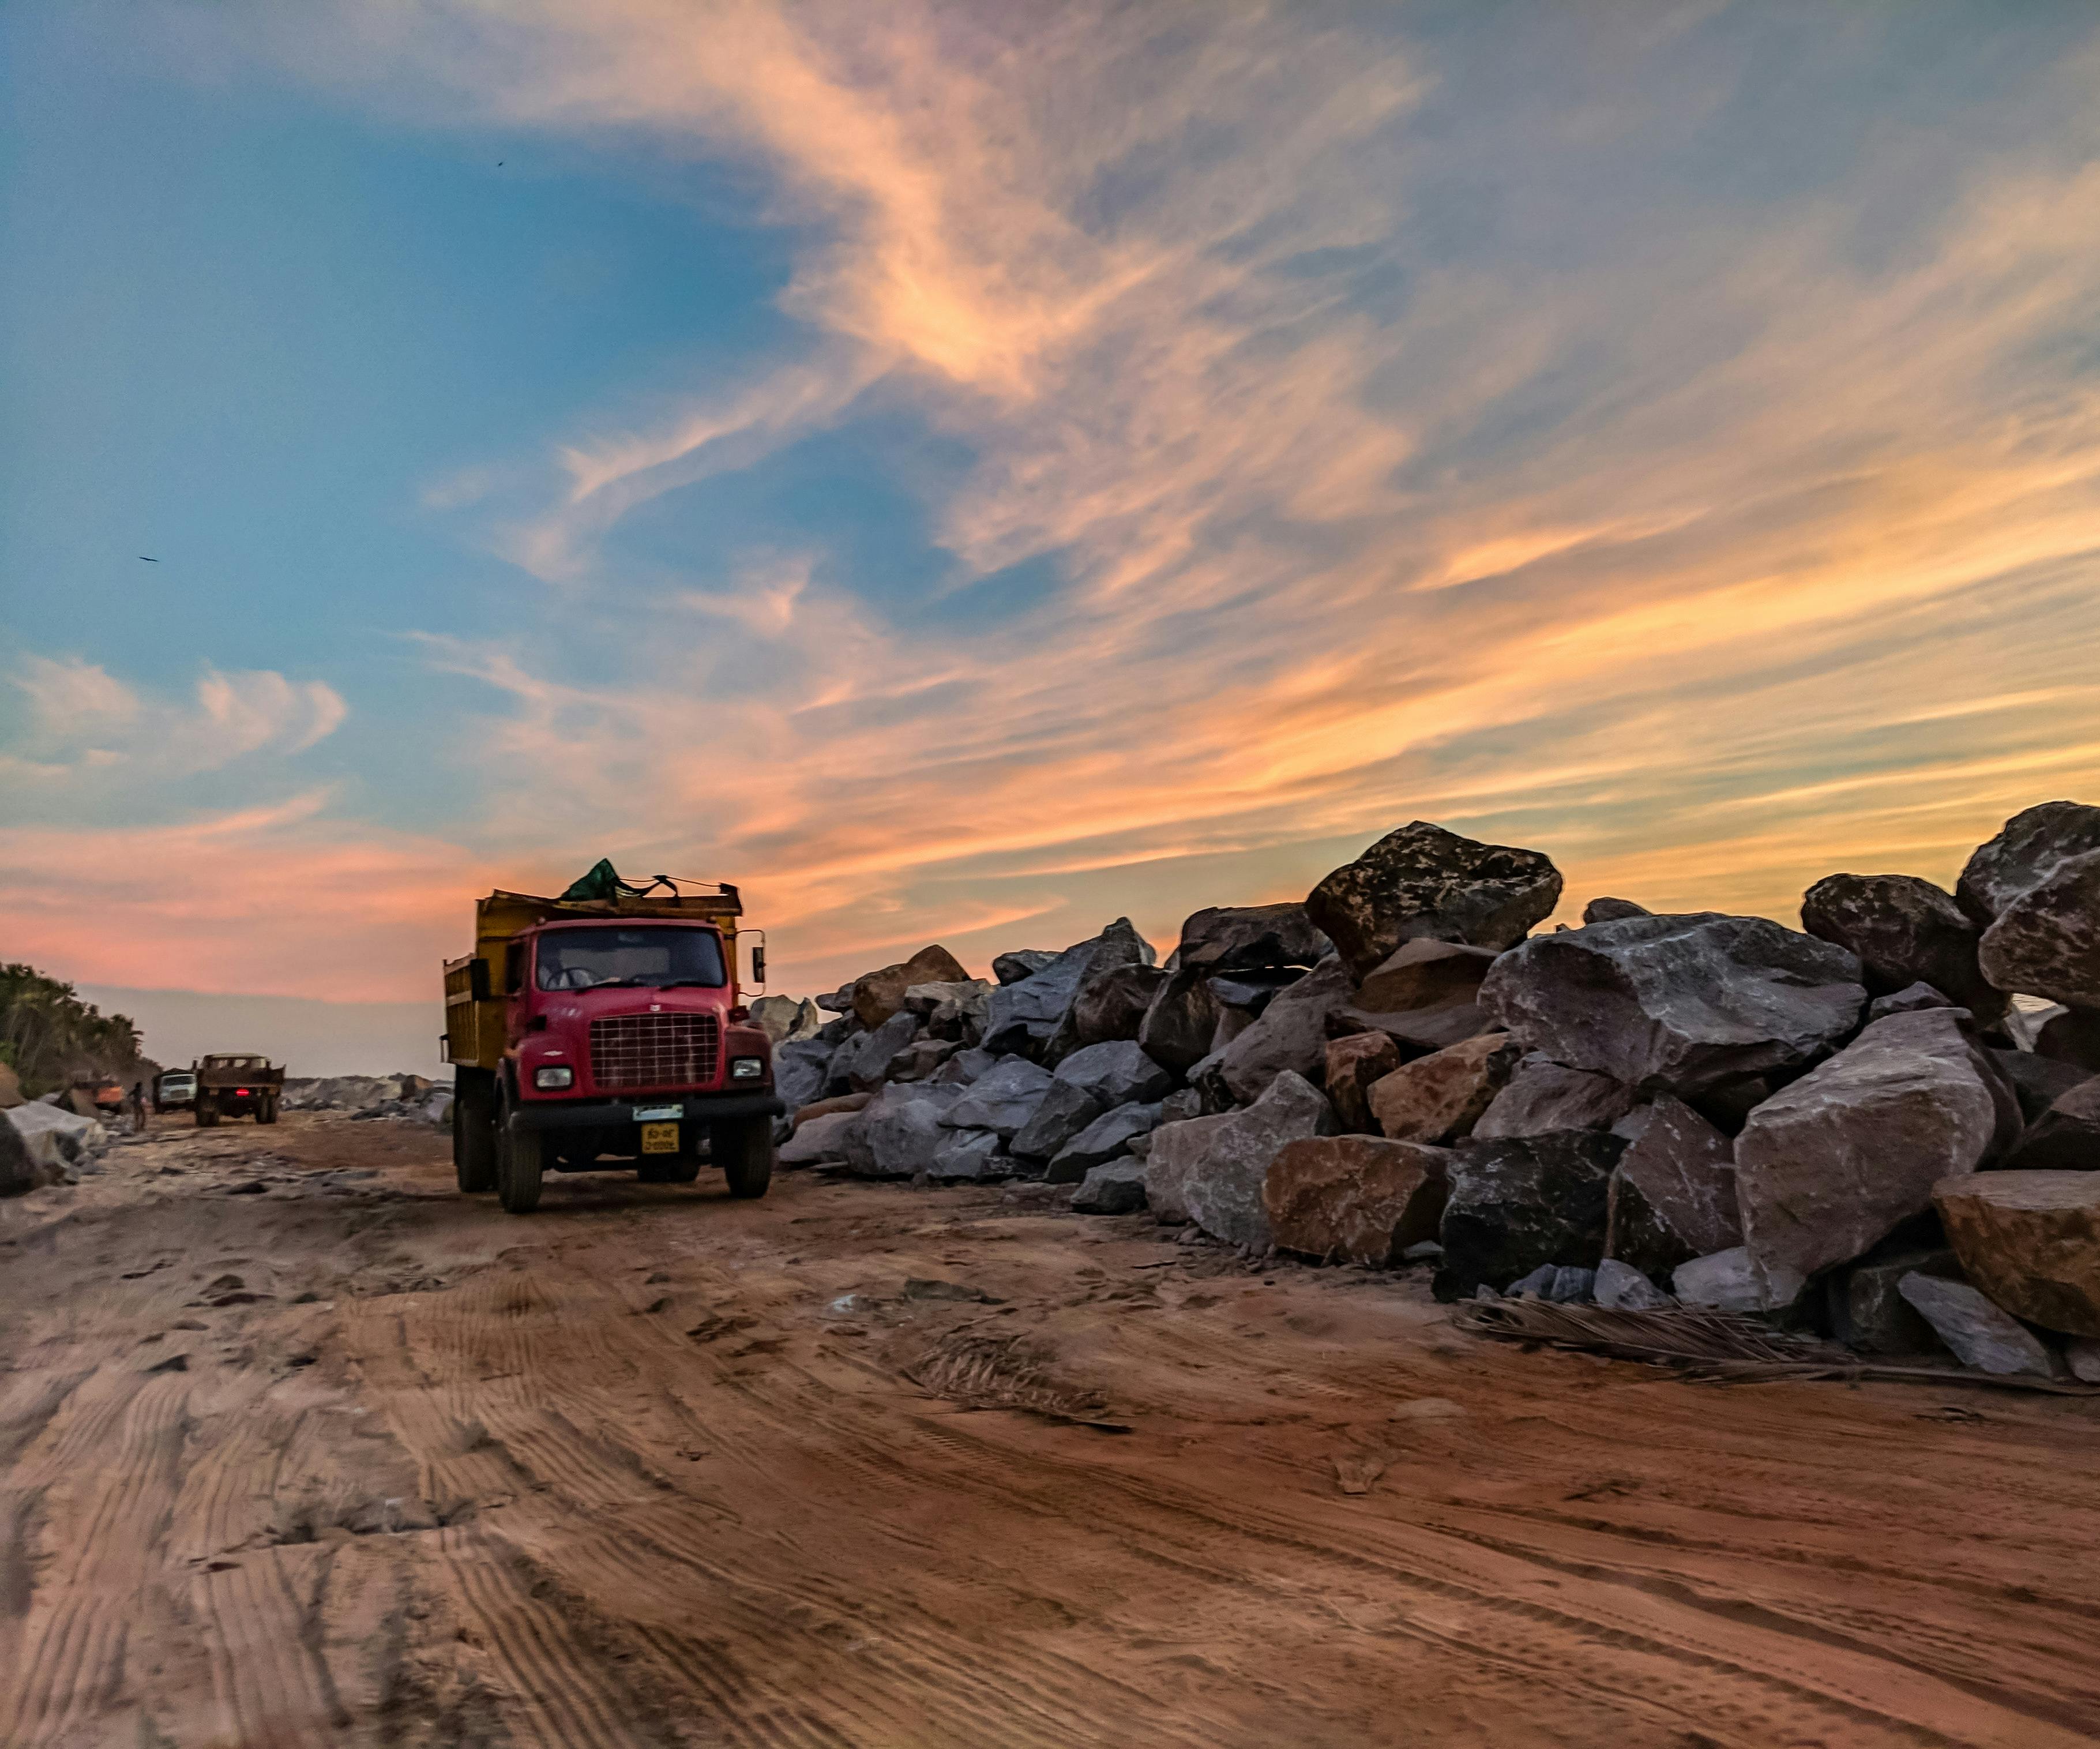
{"points": [[149, 561]]}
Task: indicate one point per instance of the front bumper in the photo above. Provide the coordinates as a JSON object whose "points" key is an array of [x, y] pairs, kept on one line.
{"points": [[611, 1114]]}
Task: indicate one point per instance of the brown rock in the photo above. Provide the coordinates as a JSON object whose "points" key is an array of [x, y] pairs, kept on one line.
{"points": [[1423, 881], [1438, 1098], [1355, 1199], [1425, 974], [1353, 1064], [1672, 1193], [825, 1107], [1905, 931], [11, 1089], [2030, 1240], [878, 994], [1181, 1021]]}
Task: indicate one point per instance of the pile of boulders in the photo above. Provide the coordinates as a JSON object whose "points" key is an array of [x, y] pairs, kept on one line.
{"points": [[1885, 1125], [43, 1143], [413, 1097]]}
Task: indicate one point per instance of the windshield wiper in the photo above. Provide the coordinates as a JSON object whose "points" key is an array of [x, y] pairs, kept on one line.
{"points": [[691, 983]]}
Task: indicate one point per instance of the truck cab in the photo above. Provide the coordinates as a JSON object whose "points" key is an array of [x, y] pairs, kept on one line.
{"points": [[624, 1044]]}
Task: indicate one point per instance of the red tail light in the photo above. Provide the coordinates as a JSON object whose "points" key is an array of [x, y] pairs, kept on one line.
{"points": [[240, 1092]]}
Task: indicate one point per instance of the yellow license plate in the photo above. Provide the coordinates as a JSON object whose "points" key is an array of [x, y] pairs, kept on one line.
{"points": [[660, 1138]]}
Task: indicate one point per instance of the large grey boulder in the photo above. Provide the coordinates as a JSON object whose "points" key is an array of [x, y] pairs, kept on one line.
{"points": [[1063, 1116], [799, 1071], [1678, 1004], [2029, 848], [1025, 1016], [969, 1156], [1726, 1281], [1087, 1083], [1830, 1165], [1355, 1199], [1001, 1099], [1673, 1195], [1250, 938], [1290, 1037], [1543, 1096], [821, 1139], [967, 1067], [1108, 1137], [1423, 881], [1528, 1200], [1982, 1335], [1905, 931], [900, 1130], [1116, 1073], [1210, 1170], [872, 1053], [20, 1170], [1115, 1189]]}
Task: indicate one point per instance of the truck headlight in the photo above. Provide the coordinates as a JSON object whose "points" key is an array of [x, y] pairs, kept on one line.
{"points": [[747, 1068], [554, 1074]]}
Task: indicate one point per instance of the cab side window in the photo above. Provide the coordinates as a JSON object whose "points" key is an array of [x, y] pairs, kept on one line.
{"points": [[513, 968]]}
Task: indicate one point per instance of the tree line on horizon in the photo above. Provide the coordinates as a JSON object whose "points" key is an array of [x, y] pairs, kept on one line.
{"points": [[49, 1037]]}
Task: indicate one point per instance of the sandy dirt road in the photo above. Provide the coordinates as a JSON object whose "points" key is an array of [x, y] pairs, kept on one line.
{"points": [[297, 1446]]}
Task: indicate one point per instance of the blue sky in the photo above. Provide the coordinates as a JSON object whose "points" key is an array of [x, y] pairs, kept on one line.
{"points": [[969, 472]]}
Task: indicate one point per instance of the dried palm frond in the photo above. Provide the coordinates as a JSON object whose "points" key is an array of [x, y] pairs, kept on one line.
{"points": [[987, 1372], [1707, 1344]]}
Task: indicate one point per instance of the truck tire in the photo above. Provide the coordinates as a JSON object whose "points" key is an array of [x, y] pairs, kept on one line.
{"points": [[743, 1149], [474, 1134], [267, 1111], [520, 1164], [207, 1114]]}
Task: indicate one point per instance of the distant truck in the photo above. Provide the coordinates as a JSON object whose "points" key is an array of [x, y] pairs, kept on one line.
{"points": [[175, 1091], [233, 1085], [602, 1033]]}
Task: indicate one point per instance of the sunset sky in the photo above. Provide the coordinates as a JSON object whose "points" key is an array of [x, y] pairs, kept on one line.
{"points": [[968, 472]]}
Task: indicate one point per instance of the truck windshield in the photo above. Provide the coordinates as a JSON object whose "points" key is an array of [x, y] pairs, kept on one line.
{"points": [[590, 959]]}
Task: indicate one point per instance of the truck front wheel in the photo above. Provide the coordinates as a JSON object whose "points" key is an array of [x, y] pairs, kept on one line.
{"points": [[207, 1113], [473, 1132], [520, 1161], [743, 1149]]}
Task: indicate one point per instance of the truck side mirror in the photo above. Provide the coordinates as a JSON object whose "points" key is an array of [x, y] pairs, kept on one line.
{"points": [[477, 978], [758, 964]]}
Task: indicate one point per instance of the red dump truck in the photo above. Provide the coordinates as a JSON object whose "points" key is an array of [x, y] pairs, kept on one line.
{"points": [[604, 1031]]}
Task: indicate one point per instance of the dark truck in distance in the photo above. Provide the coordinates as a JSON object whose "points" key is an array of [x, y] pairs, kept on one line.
{"points": [[234, 1085], [597, 1034]]}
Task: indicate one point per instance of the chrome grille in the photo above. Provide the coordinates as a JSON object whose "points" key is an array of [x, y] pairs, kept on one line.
{"points": [[655, 1050]]}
